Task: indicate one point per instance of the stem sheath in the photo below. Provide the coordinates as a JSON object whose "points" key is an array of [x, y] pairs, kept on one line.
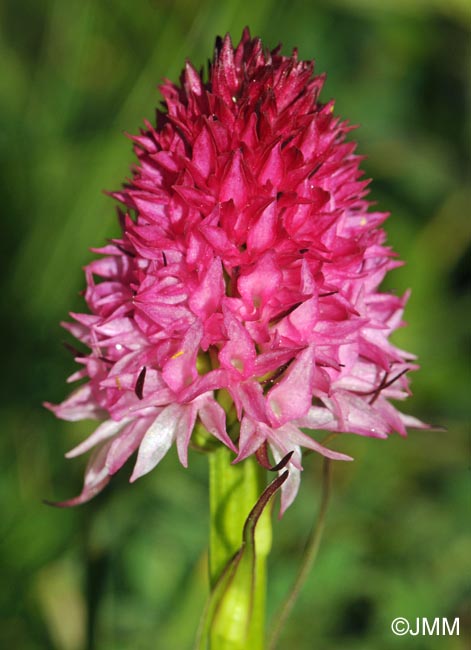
{"points": [[239, 622]]}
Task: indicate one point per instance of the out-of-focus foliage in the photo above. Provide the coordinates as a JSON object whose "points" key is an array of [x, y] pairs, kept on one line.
{"points": [[127, 571]]}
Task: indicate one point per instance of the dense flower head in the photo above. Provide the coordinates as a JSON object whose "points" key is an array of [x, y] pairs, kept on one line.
{"points": [[241, 301]]}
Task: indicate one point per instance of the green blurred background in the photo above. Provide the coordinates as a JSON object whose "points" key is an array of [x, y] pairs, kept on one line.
{"points": [[127, 571]]}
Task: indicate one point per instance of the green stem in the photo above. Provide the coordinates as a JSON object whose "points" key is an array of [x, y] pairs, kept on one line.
{"points": [[310, 554], [234, 490]]}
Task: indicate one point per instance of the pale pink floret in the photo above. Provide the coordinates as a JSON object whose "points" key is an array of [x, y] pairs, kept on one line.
{"points": [[249, 262]]}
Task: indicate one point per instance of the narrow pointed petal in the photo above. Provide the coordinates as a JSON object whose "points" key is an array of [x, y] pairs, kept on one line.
{"points": [[106, 430], [157, 441], [291, 398], [289, 436], [251, 438], [126, 443], [290, 487], [213, 417], [79, 406], [183, 432], [180, 371]]}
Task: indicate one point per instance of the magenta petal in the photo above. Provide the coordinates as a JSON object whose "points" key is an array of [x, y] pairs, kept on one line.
{"points": [[358, 416], [304, 318], [291, 398], [273, 167], [213, 417], [125, 444], [290, 436], [263, 234], [318, 417], [180, 371], [106, 430], [157, 440], [210, 381], [233, 182], [251, 398], [250, 439], [204, 154], [184, 429], [307, 280], [238, 354], [412, 422], [79, 406], [206, 298], [261, 282]]}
